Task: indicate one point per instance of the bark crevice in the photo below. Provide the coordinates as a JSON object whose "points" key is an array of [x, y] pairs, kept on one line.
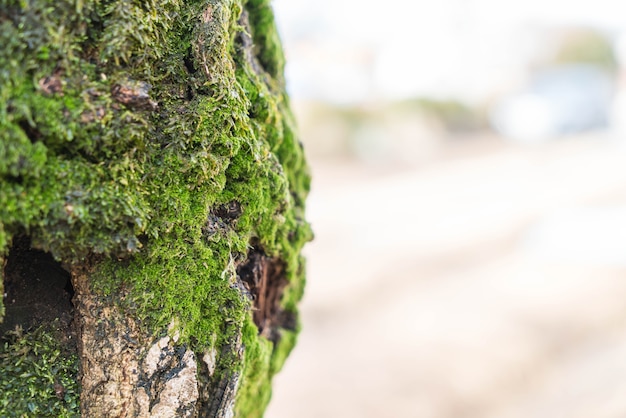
{"points": [[37, 289], [265, 279]]}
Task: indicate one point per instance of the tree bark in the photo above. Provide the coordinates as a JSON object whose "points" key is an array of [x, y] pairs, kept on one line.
{"points": [[151, 208]]}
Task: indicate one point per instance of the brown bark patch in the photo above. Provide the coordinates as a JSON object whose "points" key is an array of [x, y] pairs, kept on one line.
{"points": [[265, 279], [95, 114], [134, 94], [51, 84]]}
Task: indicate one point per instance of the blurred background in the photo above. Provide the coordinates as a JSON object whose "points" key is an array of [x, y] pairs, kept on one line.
{"points": [[469, 205]]}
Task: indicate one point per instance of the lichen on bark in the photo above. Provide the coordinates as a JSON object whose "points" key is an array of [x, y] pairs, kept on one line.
{"points": [[149, 147]]}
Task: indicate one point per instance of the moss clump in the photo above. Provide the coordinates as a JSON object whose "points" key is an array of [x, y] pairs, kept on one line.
{"points": [[39, 377], [263, 360], [255, 391], [124, 127]]}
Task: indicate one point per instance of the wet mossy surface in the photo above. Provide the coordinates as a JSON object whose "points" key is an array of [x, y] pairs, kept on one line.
{"points": [[126, 128]]}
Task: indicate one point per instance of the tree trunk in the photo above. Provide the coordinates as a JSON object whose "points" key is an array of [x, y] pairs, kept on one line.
{"points": [[151, 208]]}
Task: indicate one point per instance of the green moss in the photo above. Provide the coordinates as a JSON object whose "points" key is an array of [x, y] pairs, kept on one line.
{"points": [[266, 40], [255, 391], [123, 126], [1, 288], [39, 378]]}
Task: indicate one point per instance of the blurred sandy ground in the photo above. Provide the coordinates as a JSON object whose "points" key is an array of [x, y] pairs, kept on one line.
{"points": [[456, 274], [490, 282]]}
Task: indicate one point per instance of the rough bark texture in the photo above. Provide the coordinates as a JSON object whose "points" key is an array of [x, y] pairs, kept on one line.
{"points": [[151, 208], [124, 372]]}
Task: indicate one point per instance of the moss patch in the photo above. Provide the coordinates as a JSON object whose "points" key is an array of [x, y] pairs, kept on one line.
{"points": [[255, 391], [39, 376], [1, 288], [125, 126]]}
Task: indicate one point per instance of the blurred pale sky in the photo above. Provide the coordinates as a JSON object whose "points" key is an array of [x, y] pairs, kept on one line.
{"points": [[355, 51]]}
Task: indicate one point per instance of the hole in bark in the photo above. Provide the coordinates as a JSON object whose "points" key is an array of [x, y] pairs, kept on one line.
{"points": [[264, 277], [189, 63], [189, 94], [37, 289], [31, 132]]}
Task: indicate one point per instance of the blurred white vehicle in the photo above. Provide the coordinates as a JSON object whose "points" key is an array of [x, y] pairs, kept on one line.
{"points": [[560, 101]]}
